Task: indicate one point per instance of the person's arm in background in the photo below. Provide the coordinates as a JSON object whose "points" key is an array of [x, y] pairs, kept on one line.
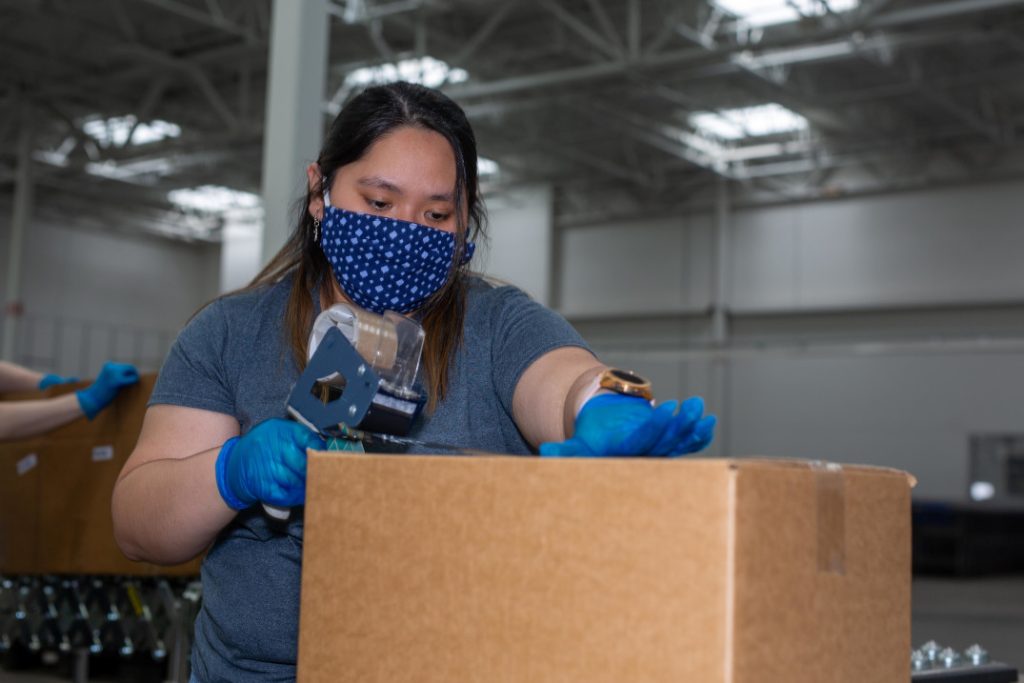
{"points": [[556, 408], [22, 419], [15, 378]]}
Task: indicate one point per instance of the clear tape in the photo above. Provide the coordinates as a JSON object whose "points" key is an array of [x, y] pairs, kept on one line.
{"points": [[830, 488]]}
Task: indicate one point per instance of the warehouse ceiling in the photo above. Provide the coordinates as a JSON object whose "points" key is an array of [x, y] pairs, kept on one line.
{"points": [[626, 107]]}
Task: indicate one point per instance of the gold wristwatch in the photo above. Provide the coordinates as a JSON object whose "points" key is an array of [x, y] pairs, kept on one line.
{"points": [[625, 382], [610, 379]]}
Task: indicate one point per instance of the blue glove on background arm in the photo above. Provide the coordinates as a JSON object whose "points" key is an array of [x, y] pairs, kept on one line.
{"points": [[50, 379], [113, 377], [267, 465], [615, 424]]}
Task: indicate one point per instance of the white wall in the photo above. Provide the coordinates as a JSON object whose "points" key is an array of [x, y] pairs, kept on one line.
{"points": [[91, 296], [655, 266], [881, 329], [519, 248], [961, 245]]}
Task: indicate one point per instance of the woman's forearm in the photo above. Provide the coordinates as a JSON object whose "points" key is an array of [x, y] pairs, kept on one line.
{"points": [[168, 511], [22, 419], [16, 378]]}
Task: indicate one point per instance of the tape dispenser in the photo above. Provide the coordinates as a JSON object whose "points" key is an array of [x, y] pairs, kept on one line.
{"points": [[361, 374]]}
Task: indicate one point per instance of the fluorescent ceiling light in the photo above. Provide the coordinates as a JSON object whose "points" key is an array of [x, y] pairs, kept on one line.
{"points": [[768, 12], [486, 167], [747, 122], [427, 71], [423, 70], [116, 130], [213, 199], [131, 171]]}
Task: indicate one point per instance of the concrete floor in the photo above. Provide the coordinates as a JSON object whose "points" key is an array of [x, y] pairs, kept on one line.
{"points": [[954, 612]]}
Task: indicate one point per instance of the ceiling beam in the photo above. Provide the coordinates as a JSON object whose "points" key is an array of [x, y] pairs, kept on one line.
{"points": [[182, 10]]}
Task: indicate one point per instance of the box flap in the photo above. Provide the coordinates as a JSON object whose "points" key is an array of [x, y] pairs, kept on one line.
{"points": [[822, 574]]}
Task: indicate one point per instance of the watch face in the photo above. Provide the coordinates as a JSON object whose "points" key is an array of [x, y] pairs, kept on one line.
{"points": [[627, 376]]}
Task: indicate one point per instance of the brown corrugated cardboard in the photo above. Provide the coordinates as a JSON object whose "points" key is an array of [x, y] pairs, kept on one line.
{"points": [[19, 505], [497, 569], [65, 500]]}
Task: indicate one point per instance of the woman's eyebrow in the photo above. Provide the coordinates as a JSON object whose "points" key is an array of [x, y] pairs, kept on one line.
{"points": [[378, 182], [382, 184]]}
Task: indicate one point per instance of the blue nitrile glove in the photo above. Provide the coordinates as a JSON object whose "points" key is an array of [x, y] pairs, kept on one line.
{"points": [[615, 424], [113, 377], [51, 379], [267, 465]]}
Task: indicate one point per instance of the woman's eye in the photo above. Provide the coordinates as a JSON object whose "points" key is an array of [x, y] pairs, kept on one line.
{"points": [[377, 204], [437, 217]]}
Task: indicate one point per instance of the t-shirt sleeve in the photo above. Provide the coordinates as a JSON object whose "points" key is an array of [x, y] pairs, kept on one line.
{"points": [[194, 375], [523, 331]]}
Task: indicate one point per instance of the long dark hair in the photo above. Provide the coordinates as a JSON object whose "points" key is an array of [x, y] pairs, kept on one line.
{"points": [[364, 119]]}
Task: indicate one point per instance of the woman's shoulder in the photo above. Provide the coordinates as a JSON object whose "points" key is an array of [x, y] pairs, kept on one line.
{"points": [[251, 302], [491, 301], [487, 292]]}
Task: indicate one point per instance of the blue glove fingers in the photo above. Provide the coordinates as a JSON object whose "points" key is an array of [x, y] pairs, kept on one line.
{"points": [[643, 438], [682, 426], [267, 465], [100, 393], [685, 421], [566, 448], [51, 379], [670, 436], [118, 374], [699, 439], [286, 490]]}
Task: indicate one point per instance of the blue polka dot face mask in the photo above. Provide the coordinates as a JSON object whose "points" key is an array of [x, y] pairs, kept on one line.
{"points": [[384, 264]]}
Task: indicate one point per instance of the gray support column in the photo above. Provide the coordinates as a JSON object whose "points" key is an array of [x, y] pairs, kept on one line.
{"points": [[719, 318], [294, 121], [20, 218]]}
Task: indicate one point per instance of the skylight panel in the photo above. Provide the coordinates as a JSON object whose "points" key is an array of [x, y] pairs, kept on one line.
{"points": [[427, 71], [423, 70], [486, 167], [115, 131], [213, 199], [747, 122], [768, 12]]}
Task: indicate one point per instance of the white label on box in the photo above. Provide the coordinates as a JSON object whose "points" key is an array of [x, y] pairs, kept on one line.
{"points": [[101, 453], [27, 463]]}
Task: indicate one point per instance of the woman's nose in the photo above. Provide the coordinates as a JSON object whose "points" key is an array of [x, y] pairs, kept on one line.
{"points": [[409, 214]]}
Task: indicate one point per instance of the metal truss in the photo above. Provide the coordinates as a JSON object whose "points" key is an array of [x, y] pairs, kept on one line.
{"points": [[591, 96]]}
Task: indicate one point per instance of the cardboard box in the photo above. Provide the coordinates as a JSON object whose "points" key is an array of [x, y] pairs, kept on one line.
{"points": [[56, 517], [502, 569], [19, 501]]}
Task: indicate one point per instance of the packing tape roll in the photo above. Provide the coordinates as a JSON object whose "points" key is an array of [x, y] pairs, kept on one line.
{"points": [[373, 336], [376, 340], [830, 488]]}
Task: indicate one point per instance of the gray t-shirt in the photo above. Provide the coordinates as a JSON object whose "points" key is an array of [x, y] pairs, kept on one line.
{"points": [[233, 358]]}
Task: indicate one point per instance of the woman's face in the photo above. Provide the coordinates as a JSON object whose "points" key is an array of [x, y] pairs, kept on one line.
{"points": [[408, 174]]}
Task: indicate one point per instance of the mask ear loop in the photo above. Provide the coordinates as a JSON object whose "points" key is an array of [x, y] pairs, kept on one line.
{"points": [[325, 187]]}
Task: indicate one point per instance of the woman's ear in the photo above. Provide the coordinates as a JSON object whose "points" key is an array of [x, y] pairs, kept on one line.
{"points": [[316, 197]]}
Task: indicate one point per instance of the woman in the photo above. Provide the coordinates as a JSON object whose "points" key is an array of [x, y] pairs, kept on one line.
{"points": [[503, 373]]}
